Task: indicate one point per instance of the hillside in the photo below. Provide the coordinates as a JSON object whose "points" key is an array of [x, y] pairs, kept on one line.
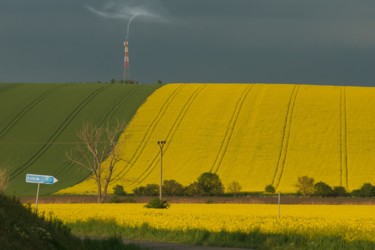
{"points": [[38, 124], [257, 134]]}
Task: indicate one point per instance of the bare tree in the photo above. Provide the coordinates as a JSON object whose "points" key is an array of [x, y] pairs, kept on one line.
{"points": [[96, 151]]}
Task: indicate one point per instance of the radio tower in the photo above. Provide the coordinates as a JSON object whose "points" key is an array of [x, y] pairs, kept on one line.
{"points": [[126, 61]]}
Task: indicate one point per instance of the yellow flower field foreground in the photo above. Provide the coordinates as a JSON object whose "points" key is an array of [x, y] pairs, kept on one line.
{"points": [[349, 222], [255, 134]]}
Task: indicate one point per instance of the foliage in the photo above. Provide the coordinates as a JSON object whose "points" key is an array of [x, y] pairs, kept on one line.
{"points": [[157, 203], [210, 184], [192, 189], [367, 190], [270, 189], [172, 188], [305, 185], [148, 190], [234, 187], [21, 228], [119, 190], [339, 191], [322, 189]]}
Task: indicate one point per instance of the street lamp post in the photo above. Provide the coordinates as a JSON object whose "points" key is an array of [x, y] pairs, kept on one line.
{"points": [[161, 145]]}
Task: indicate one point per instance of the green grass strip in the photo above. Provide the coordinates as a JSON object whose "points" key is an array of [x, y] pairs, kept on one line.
{"points": [[253, 239]]}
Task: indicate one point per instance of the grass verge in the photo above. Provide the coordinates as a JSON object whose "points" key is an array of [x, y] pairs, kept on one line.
{"points": [[254, 239], [21, 228]]}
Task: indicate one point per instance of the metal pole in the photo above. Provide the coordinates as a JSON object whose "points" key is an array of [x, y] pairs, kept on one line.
{"points": [[161, 145], [161, 173], [37, 197], [278, 202]]}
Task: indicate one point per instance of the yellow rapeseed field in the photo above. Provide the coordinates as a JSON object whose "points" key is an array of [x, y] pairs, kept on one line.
{"points": [[256, 134], [349, 222]]}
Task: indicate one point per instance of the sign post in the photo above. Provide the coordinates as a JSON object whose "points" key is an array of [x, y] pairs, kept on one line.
{"points": [[39, 179]]}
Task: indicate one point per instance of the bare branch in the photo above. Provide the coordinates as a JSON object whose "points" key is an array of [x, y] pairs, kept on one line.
{"points": [[91, 152]]}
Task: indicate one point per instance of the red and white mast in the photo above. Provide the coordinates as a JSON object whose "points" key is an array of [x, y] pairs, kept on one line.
{"points": [[126, 61]]}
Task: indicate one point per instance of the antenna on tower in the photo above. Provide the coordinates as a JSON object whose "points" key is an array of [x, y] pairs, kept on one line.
{"points": [[126, 72]]}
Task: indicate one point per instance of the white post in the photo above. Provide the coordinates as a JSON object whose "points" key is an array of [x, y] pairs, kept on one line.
{"points": [[37, 197], [278, 206]]}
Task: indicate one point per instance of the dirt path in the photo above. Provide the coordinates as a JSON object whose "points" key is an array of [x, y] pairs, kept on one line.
{"points": [[174, 246]]}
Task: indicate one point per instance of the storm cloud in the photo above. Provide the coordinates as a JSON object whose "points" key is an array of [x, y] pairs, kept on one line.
{"points": [[288, 41]]}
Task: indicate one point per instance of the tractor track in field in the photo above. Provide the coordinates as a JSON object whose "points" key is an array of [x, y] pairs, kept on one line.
{"points": [[123, 99], [170, 136], [343, 140], [26, 109], [229, 131], [56, 133], [285, 138], [147, 135]]}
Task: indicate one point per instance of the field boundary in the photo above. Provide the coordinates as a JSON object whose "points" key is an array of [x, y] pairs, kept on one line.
{"points": [[169, 137], [147, 135]]}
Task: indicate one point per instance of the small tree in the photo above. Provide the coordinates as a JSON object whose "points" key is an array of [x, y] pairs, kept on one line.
{"points": [[96, 145], [210, 184], [339, 191], [192, 189], [322, 189], [270, 189], [172, 187], [234, 187], [119, 190], [151, 190], [139, 190], [305, 185]]}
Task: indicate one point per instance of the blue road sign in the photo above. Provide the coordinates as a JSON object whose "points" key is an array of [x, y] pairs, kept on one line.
{"points": [[41, 179]]}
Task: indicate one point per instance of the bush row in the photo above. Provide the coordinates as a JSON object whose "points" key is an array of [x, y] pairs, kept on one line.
{"points": [[209, 184]]}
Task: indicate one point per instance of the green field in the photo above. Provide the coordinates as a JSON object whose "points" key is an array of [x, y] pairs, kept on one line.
{"points": [[38, 124]]}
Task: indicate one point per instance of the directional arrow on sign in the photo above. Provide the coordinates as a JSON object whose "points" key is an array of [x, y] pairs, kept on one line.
{"points": [[40, 179]]}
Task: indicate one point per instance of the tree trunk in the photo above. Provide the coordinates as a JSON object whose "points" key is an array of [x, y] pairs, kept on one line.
{"points": [[99, 190]]}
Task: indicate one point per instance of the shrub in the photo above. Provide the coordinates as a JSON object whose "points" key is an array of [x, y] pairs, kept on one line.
{"points": [[210, 184], [339, 191], [151, 190], [157, 203], [148, 190], [119, 190], [367, 190], [139, 190], [192, 189], [270, 189], [305, 185], [322, 189], [172, 187]]}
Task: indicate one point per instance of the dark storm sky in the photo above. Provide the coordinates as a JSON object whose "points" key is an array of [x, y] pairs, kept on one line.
{"points": [[280, 41]]}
